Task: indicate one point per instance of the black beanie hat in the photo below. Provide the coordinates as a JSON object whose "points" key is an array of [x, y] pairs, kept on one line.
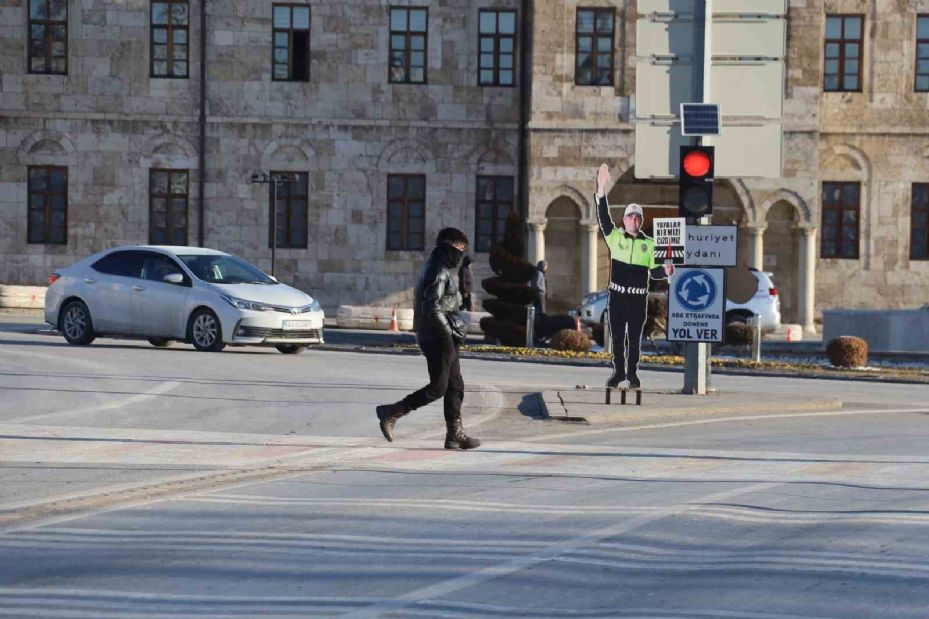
{"points": [[451, 235]]}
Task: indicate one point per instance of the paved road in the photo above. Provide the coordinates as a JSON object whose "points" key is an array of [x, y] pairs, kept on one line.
{"points": [[169, 483]]}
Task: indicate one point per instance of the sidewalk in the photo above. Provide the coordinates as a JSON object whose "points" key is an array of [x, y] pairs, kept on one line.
{"points": [[662, 406]]}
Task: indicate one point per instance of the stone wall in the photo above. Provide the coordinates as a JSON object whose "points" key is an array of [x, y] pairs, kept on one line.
{"points": [[348, 128], [109, 123]]}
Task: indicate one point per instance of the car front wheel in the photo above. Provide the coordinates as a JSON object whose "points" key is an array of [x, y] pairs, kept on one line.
{"points": [[76, 324], [205, 332], [291, 349]]}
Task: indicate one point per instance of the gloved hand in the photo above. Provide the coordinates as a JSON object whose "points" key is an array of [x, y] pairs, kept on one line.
{"points": [[459, 327]]}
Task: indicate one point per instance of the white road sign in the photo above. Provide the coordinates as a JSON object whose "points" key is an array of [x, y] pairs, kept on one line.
{"points": [[711, 246], [696, 305], [670, 246]]}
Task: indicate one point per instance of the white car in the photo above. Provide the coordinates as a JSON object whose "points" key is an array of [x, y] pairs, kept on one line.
{"points": [[200, 296], [765, 303]]}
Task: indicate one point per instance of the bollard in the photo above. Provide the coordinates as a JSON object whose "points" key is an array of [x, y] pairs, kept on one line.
{"points": [[530, 326], [607, 334], [755, 323]]}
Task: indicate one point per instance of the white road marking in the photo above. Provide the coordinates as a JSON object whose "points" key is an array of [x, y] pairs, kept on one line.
{"points": [[155, 391]]}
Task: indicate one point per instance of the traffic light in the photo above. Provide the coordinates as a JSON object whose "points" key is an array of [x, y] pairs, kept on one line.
{"points": [[696, 182]]}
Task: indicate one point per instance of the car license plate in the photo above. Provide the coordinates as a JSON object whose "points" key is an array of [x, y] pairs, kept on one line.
{"points": [[295, 325]]}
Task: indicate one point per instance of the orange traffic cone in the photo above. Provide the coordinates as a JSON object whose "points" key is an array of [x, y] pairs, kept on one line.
{"points": [[393, 321]]}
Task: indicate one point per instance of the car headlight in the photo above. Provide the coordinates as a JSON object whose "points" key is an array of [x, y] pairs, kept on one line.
{"points": [[314, 306], [246, 305]]}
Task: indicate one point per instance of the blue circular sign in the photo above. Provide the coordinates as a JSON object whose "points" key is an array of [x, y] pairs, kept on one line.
{"points": [[695, 290]]}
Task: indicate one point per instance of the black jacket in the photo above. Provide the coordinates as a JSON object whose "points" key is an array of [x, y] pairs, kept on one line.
{"points": [[435, 306]]}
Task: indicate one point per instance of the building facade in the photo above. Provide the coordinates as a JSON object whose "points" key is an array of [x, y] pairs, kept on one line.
{"points": [[385, 122]]}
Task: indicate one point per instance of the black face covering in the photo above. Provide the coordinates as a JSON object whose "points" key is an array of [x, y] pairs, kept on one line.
{"points": [[448, 255]]}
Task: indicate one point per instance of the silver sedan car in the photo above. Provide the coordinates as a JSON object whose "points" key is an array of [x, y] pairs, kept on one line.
{"points": [[164, 294]]}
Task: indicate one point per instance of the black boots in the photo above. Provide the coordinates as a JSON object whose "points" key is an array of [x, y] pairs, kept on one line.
{"points": [[616, 378], [634, 382], [455, 438], [388, 414]]}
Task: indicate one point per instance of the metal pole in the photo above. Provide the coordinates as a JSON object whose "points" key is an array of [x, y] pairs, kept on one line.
{"points": [[696, 354], [530, 326], [273, 221], [755, 322], [607, 333], [201, 158]]}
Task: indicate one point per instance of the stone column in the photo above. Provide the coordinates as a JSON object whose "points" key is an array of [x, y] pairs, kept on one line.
{"points": [[536, 241], [755, 249], [807, 278], [590, 232]]}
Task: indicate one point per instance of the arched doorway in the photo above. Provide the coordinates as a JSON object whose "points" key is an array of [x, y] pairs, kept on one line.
{"points": [[782, 256], [563, 254]]}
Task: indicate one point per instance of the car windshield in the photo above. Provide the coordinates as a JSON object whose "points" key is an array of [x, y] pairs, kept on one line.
{"points": [[221, 269]]}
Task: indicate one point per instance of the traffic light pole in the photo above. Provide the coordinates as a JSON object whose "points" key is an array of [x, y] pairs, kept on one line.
{"points": [[696, 354]]}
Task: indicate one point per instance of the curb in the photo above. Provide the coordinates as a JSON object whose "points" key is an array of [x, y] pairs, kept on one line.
{"points": [[553, 399], [371, 350]]}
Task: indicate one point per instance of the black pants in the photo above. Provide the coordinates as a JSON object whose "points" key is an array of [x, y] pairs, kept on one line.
{"points": [[444, 378], [627, 320], [466, 302]]}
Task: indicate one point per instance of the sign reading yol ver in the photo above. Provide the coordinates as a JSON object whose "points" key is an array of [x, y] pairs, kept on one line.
{"points": [[696, 305]]}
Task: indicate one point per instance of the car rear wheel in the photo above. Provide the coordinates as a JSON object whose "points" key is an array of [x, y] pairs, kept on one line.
{"points": [[76, 324], [291, 349], [160, 342], [205, 332]]}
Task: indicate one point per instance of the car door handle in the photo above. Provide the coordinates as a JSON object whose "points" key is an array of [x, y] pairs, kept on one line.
{"points": [[87, 280], [138, 288]]}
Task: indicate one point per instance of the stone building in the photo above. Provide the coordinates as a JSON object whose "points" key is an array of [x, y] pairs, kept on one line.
{"points": [[394, 124]]}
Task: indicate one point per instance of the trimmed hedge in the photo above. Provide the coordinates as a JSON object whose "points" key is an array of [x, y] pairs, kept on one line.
{"points": [[738, 334], [507, 312], [506, 333], [847, 352], [511, 292], [570, 339]]}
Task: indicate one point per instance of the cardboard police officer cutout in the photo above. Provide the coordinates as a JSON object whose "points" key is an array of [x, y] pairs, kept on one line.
{"points": [[632, 267]]}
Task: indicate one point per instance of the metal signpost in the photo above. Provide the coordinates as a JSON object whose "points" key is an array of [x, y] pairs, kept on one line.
{"points": [[263, 178], [690, 53]]}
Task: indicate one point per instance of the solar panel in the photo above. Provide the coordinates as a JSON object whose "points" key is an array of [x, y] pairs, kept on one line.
{"points": [[700, 119]]}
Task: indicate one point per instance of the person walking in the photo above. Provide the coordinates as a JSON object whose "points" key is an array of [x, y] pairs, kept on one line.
{"points": [[538, 286], [632, 266], [440, 331], [466, 283]]}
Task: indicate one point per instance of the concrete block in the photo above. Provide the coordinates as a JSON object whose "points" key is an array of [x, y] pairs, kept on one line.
{"points": [[883, 330]]}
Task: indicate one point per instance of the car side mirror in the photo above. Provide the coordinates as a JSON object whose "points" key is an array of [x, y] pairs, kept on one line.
{"points": [[274, 279], [174, 278]]}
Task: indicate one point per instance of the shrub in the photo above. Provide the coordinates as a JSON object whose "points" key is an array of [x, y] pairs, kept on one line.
{"points": [[738, 334], [847, 352], [506, 333], [569, 339], [507, 312], [656, 318], [509, 291], [597, 332]]}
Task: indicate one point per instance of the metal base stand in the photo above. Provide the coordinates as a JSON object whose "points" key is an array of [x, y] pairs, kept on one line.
{"points": [[622, 395]]}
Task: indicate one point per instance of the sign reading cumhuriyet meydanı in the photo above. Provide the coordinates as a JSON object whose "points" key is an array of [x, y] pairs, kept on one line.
{"points": [[710, 246]]}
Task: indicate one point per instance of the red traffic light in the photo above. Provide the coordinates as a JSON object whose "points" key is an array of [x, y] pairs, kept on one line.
{"points": [[696, 163]]}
